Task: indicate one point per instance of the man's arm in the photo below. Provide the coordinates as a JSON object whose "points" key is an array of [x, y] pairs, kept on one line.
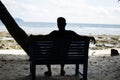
{"points": [[17, 33], [92, 39]]}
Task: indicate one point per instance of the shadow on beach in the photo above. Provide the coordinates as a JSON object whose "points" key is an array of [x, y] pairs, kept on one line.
{"points": [[16, 67]]}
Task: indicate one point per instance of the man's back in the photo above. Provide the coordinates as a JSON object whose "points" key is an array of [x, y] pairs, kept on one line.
{"points": [[67, 34]]}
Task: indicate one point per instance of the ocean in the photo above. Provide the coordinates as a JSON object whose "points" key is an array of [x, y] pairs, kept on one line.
{"points": [[80, 28]]}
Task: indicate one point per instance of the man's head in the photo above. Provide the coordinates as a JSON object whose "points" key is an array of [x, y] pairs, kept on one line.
{"points": [[61, 22]]}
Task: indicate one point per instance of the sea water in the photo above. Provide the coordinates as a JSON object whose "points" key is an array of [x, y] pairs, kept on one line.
{"points": [[80, 28]]}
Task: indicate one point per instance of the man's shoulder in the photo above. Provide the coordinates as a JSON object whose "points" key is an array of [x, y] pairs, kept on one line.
{"points": [[71, 32], [53, 32]]}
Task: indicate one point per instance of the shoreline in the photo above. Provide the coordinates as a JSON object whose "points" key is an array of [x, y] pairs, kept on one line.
{"points": [[102, 42]]}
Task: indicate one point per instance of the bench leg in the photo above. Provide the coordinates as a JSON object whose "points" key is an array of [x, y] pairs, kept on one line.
{"points": [[85, 66], [77, 69], [32, 71]]}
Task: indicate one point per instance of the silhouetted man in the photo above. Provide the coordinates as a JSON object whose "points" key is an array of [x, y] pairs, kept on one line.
{"points": [[22, 38], [61, 33]]}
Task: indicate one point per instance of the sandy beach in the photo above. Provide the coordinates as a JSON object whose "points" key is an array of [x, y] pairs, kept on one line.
{"points": [[14, 63]]}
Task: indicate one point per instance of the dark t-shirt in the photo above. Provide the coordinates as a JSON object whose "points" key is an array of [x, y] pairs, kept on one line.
{"points": [[61, 42]]}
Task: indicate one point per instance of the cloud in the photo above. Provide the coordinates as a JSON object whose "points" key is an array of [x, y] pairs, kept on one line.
{"points": [[85, 11]]}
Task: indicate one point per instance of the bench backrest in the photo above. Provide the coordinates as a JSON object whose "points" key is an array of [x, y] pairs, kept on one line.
{"points": [[59, 51]]}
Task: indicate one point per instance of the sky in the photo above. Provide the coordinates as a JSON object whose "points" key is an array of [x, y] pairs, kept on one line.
{"points": [[75, 11]]}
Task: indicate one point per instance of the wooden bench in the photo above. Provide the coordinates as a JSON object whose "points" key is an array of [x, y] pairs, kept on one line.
{"points": [[47, 51]]}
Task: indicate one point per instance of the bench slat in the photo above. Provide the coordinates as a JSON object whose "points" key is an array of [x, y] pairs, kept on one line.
{"points": [[43, 49]]}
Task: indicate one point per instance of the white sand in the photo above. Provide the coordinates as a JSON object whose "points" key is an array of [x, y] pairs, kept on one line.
{"points": [[14, 65]]}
